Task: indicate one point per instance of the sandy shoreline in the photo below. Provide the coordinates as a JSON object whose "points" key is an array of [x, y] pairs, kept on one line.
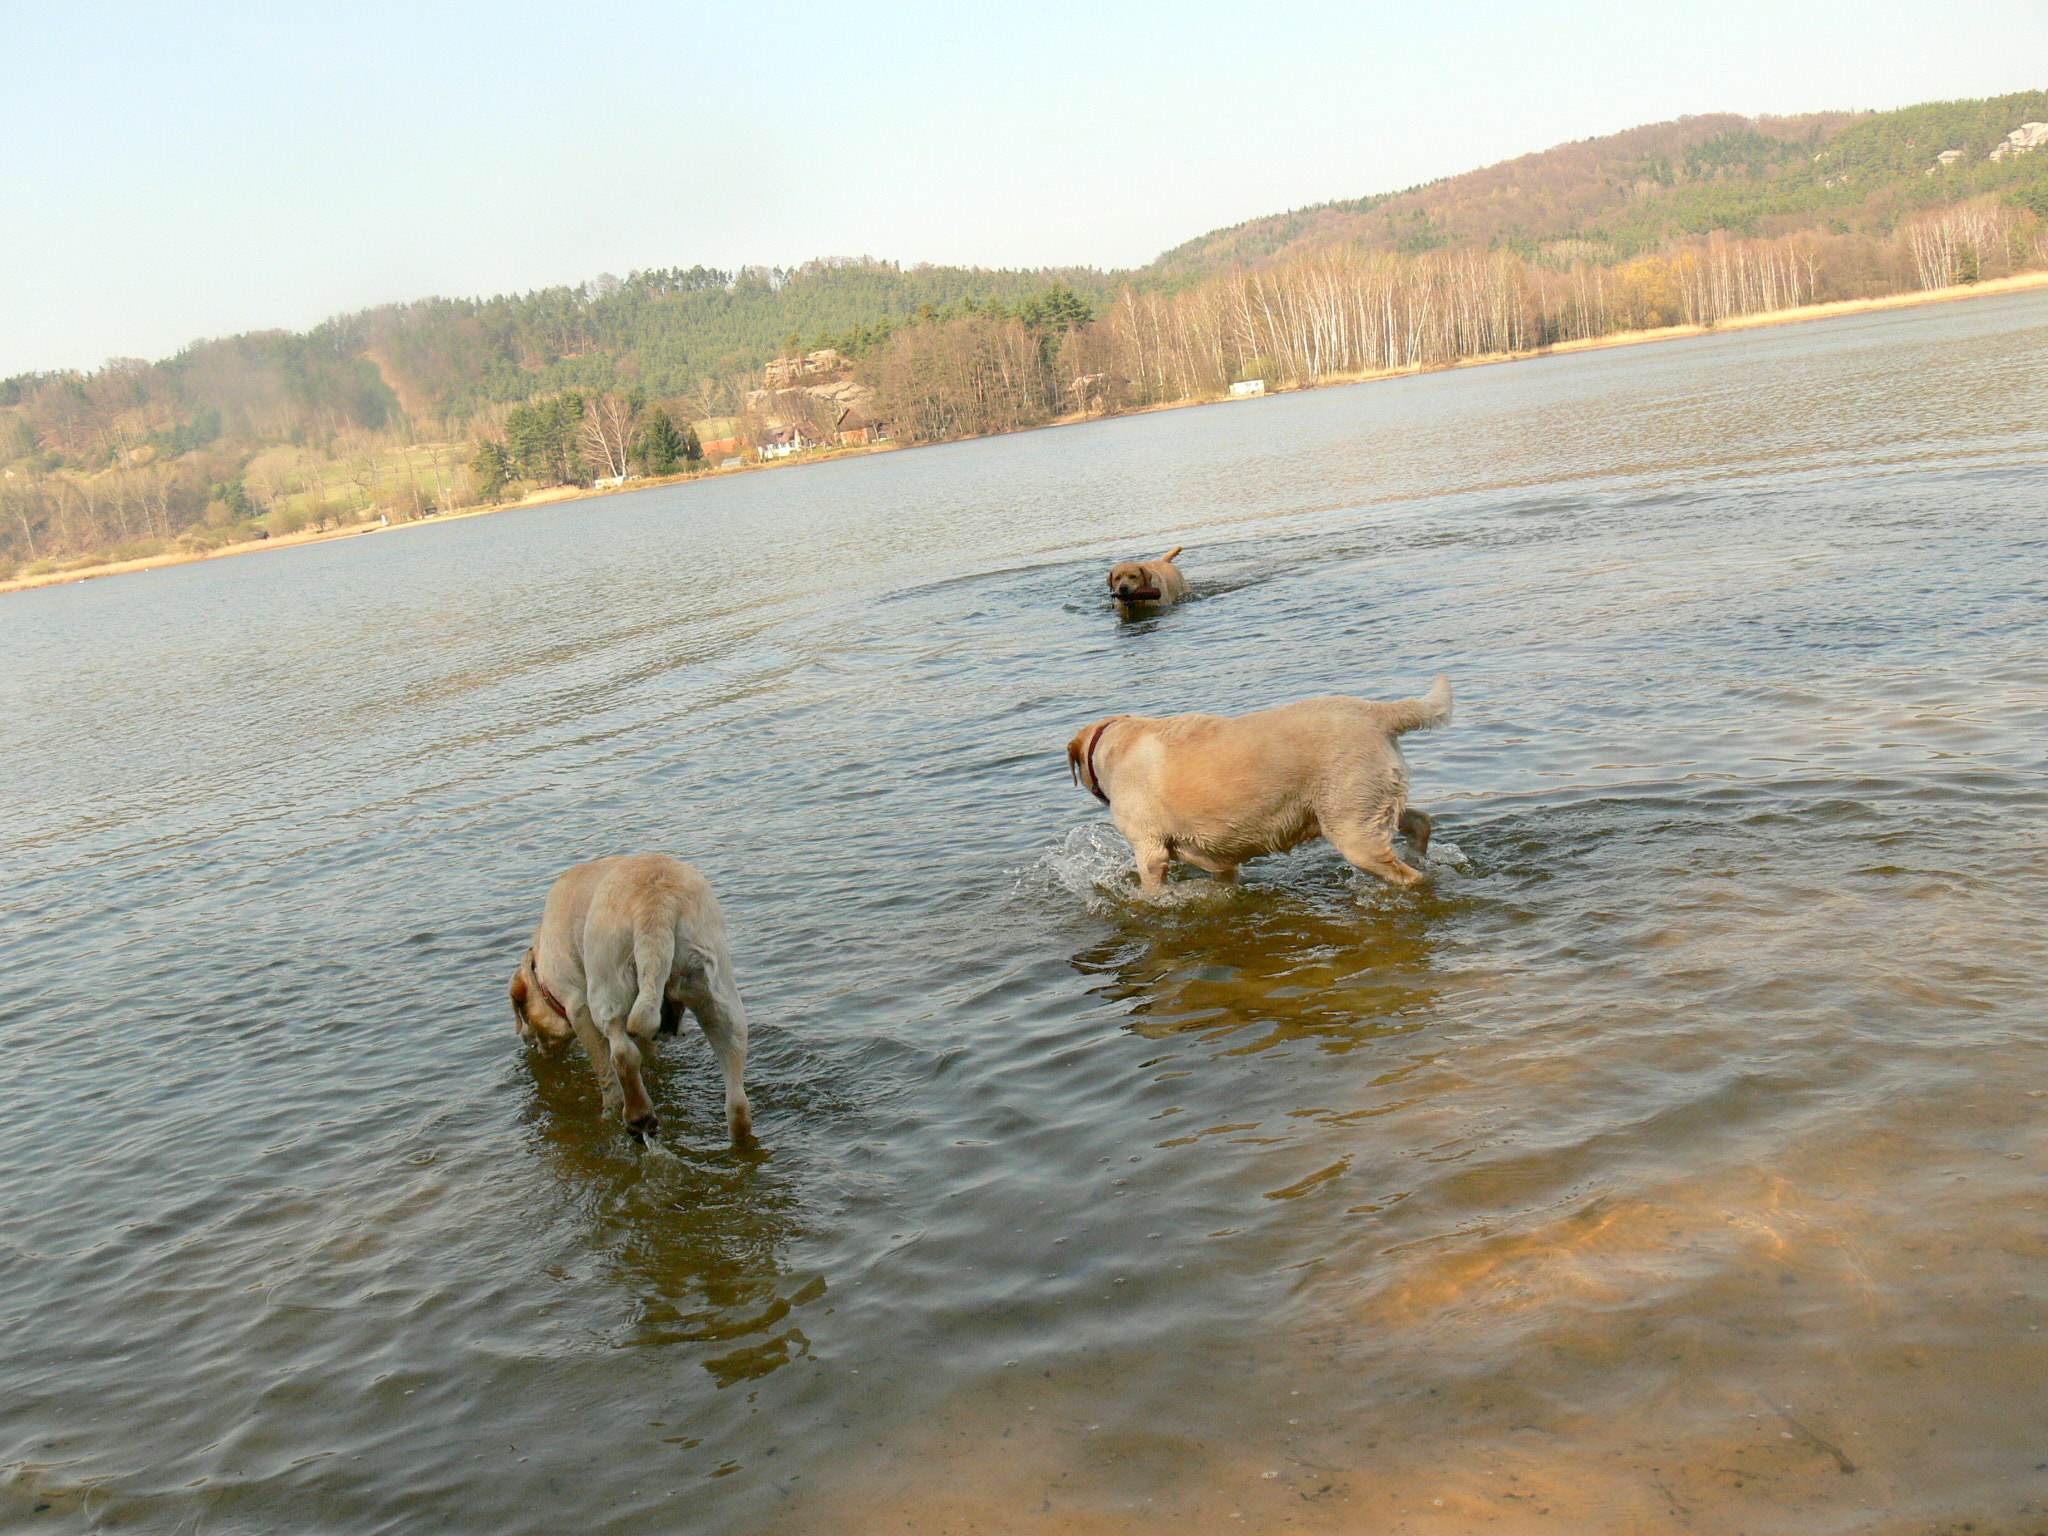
{"points": [[2015, 284]]}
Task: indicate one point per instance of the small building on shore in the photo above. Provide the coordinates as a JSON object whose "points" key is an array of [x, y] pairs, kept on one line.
{"points": [[781, 442], [854, 430]]}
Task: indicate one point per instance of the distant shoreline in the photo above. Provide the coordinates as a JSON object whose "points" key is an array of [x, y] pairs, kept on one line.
{"points": [[2019, 282]]}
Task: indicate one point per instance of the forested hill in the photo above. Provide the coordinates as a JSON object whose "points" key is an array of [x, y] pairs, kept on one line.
{"points": [[666, 333], [397, 410], [437, 362], [1619, 196]]}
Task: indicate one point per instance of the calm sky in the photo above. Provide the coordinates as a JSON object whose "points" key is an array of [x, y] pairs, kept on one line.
{"points": [[175, 171]]}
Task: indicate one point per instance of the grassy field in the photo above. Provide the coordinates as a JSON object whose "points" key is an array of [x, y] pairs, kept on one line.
{"points": [[301, 489]]}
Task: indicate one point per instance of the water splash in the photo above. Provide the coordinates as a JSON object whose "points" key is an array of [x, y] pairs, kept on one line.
{"points": [[1091, 864], [658, 1157]]}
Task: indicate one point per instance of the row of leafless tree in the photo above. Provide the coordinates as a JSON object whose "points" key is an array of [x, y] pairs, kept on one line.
{"points": [[957, 378], [54, 515], [1333, 312], [1346, 311], [1962, 243]]}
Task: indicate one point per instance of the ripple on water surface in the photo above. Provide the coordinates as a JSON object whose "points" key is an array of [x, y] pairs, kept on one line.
{"points": [[1673, 1161]]}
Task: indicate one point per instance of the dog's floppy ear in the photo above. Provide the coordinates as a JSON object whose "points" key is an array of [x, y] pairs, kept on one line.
{"points": [[1168, 556]]}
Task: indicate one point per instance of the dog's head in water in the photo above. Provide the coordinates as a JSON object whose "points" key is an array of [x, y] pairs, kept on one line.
{"points": [[1130, 582], [534, 1013]]}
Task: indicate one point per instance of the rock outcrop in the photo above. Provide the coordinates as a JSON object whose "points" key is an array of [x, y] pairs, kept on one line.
{"points": [[2028, 136], [785, 372], [783, 405], [817, 385]]}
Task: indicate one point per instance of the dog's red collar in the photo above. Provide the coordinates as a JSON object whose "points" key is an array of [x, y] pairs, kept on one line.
{"points": [[1091, 783], [554, 1002]]}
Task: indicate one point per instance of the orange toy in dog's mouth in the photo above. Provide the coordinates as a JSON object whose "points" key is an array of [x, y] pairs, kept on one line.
{"points": [[1140, 595]]}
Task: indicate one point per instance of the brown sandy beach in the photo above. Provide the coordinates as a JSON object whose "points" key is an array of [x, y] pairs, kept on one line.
{"points": [[1989, 288]]}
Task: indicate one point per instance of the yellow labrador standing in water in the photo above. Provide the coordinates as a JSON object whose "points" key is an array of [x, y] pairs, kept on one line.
{"points": [[1157, 582], [624, 945], [1214, 791]]}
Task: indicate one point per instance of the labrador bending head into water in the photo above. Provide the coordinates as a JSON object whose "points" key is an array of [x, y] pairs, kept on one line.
{"points": [[1154, 582], [624, 945], [1213, 790]]}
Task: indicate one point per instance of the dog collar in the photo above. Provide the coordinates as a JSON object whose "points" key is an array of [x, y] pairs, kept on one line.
{"points": [[552, 1001], [1093, 784]]}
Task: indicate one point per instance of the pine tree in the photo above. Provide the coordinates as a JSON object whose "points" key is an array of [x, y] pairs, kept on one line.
{"points": [[660, 448], [491, 469], [540, 438]]}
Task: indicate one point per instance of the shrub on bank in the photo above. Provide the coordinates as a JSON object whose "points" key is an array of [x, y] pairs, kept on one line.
{"points": [[134, 549]]}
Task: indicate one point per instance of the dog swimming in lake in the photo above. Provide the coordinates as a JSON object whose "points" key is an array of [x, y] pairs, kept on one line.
{"points": [[1148, 583]]}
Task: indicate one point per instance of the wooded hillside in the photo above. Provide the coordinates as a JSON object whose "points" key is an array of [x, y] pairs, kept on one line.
{"points": [[409, 408], [1611, 198]]}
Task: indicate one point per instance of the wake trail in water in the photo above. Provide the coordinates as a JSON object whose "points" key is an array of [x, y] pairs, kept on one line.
{"points": [[1091, 866]]}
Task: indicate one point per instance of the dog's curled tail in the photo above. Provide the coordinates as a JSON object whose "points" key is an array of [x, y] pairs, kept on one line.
{"points": [[1167, 558], [654, 957], [1432, 709]]}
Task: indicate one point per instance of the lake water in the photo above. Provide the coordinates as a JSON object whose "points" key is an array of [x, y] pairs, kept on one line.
{"points": [[1677, 1160]]}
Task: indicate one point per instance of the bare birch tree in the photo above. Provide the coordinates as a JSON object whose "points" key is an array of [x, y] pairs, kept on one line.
{"points": [[606, 435]]}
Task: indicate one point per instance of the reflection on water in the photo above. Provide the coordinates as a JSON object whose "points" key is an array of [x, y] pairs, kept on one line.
{"points": [[1672, 1162], [692, 1234], [1272, 961]]}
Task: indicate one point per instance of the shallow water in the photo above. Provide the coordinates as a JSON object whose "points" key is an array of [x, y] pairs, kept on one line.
{"points": [[1674, 1162]]}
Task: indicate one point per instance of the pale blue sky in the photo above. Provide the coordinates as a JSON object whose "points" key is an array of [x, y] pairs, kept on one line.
{"points": [[175, 171]]}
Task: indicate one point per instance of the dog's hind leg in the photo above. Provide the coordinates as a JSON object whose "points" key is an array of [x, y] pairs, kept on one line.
{"points": [[1225, 873], [600, 1054], [715, 999], [1368, 844], [1417, 827], [619, 1009], [636, 1105]]}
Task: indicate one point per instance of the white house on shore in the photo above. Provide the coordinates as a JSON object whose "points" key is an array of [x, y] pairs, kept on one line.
{"points": [[781, 442]]}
